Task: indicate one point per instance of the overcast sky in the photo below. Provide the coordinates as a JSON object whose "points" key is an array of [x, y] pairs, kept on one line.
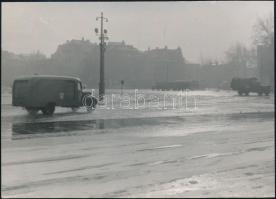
{"points": [[197, 27]]}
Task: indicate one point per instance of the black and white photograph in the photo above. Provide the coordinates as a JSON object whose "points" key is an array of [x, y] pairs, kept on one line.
{"points": [[144, 99]]}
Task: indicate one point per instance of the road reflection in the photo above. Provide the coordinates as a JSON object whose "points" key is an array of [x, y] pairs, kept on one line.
{"points": [[74, 127], [55, 127]]}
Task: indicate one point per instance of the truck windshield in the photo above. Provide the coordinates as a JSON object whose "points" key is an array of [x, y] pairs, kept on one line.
{"points": [[79, 86]]}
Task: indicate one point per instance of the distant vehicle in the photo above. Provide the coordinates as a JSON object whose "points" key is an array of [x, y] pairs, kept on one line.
{"points": [[247, 85], [176, 85], [44, 93]]}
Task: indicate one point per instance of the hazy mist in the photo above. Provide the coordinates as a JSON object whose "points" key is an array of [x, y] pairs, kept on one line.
{"points": [[208, 28]]}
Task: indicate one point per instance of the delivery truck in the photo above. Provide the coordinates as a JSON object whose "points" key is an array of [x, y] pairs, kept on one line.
{"points": [[35, 93]]}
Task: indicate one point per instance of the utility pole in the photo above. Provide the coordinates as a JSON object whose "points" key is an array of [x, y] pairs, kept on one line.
{"points": [[122, 86], [167, 75], [102, 45]]}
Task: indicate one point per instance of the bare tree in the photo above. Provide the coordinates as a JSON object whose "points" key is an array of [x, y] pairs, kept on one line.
{"points": [[239, 57], [263, 31], [236, 53]]}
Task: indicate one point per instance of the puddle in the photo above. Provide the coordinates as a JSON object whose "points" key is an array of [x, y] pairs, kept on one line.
{"points": [[75, 126]]}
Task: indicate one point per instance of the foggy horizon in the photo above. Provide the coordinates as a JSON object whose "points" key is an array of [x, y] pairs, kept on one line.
{"points": [[207, 29], [179, 105]]}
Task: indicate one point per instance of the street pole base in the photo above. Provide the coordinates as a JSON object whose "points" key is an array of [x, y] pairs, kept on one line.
{"points": [[101, 99]]}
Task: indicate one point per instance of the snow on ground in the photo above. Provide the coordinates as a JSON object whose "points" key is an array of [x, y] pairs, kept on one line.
{"points": [[223, 148]]}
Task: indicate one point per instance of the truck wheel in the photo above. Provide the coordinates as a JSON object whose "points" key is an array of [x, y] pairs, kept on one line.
{"points": [[49, 109], [32, 111], [240, 93], [94, 102], [260, 93], [246, 93], [90, 102]]}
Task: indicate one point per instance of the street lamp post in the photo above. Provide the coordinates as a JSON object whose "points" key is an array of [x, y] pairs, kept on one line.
{"points": [[167, 74], [102, 45]]}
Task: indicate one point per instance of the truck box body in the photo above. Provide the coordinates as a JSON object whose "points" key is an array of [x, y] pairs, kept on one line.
{"points": [[37, 91]]}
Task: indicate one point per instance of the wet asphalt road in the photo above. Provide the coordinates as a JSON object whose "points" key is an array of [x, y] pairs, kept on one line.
{"points": [[224, 148]]}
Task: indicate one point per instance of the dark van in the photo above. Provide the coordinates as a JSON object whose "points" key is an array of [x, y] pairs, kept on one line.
{"points": [[44, 93], [247, 85]]}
